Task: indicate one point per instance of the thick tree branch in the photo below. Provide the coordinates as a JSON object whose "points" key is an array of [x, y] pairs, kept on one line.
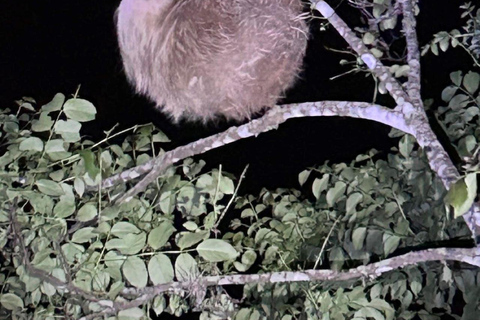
{"points": [[370, 271], [269, 121]]}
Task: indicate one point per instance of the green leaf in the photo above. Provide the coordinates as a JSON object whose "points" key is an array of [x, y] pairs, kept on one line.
{"points": [[87, 212], [319, 185], [159, 236], [44, 123], [368, 38], [56, 103], [226, 185], [353, 200], [130, 244], [69, 130], [132, 314], [187, 239], [79, 109], [358, 237], [186, 268], [390, 243], [84, 235], [448, 93], [471, 81], [31, 144], [461, 194], [456, 78], [303, 176], [216, 250], [122, 229], [11, 301], [90, 162], [49, 187], [160, 269], [135, 271], [335, 193]]}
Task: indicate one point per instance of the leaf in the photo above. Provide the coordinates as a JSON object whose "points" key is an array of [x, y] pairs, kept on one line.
{"points": [[159, 236], [358, 237], [135, 271], [31, 144], [390, 243], [130, 244], [456, 78], [79, 109], [69, 130], [226, 185], [11, 301], [90, 163], [122, 229], [458, 102], [49, 187], [187, 239], [44, 123], [131, 314], [368, 38], [448, 93], [216, 250], [87, 212], [186, 267], [335, 193], [471, 81], [160, 269], [84, 235], [461, 194], [303, 176], [56, 103], [353, 200], [319, 185]]}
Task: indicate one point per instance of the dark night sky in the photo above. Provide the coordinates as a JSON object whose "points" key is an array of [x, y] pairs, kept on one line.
{"points": [[53, 46]]}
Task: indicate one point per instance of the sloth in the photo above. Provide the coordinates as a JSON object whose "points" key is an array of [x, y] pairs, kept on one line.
{"points": [[199, 60]]}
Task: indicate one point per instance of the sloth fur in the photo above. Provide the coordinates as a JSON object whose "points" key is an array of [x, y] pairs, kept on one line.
{"points": [[201, 59]]}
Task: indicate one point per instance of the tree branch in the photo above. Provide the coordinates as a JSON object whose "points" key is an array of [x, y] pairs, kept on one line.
{"points": [[371, 271]]}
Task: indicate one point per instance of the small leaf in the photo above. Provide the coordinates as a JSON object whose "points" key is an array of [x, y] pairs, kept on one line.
{"points": [[186, 267], [187, 239], [11, 301], [352, 201], [461, 194], [456, 78], [160, 269], [159, 236], [390, 243], [130, 244], [358, 237], [216, 250], [79, 109], [122, 229], [69, 130], [135, 271], [87, 212], [84, 235], [303, 176], [335, 193], [368, 38], [471, 81], [56, 103], [44, 123], [448, 93], [319, 185], [49, 187], [31, 144]]}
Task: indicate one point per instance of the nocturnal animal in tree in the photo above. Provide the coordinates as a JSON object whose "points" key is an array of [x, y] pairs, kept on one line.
{"points": [[203, 59]]}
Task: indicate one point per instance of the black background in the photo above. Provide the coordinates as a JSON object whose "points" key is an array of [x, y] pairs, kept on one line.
{"points": [[53, 46]]}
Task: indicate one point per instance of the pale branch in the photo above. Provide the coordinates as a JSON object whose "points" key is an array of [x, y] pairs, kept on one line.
{"points": [[379, 70], [410, 106], [269, 121], [409, 24], [371, 271]]}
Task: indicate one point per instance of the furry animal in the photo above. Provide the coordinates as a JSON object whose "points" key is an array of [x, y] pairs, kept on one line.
{"points": [[201, 59]]}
